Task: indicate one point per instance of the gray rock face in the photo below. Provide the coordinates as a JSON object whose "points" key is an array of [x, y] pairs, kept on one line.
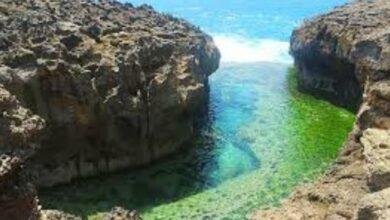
{"points": [[344, 56], [118, 86], [337, 53], [91, 87]]}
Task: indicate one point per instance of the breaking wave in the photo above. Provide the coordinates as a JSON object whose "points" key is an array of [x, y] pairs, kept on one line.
{"points": [[243, 50]]}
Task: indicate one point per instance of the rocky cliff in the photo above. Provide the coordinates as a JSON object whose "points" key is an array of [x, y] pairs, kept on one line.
{"points": [[20, 133], [117, 86], [344, 56], [93, 86]]}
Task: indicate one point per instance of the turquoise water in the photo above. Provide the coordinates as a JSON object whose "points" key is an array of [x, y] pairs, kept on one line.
{"points": [[247, 30], [262, 136], [269, 19]]}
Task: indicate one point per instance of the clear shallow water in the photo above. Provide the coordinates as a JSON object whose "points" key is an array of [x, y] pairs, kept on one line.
{"points": [[262, 138]]}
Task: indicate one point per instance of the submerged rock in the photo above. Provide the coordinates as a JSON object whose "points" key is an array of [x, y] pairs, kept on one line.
{"points": [[56, 215], [118, 86], [119, 213], [344, 56]]}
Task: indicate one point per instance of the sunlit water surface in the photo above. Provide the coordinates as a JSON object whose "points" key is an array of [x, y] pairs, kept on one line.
{"points": [[262, 138]]}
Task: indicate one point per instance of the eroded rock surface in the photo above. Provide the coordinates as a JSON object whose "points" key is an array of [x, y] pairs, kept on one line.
{"points": [[118, 86], [375, 206], [376, 145], [20, 133], [89, 87], [344, 56], [338, 52]]}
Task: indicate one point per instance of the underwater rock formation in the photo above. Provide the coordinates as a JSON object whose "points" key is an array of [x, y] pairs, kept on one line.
{"points": [[119, 213], [56, 215], [118, 86], [344, 56]]}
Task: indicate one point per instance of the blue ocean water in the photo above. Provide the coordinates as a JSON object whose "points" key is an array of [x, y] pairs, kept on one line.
{"points": [[246, 30], [262, 138]]}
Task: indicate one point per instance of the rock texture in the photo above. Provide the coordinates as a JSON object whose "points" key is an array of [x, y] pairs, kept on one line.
{"points": [[375, 206], [376, 144], [344, 56], [119, 213], [20, 133], [89, 87], [56, 215], [118, 86]]}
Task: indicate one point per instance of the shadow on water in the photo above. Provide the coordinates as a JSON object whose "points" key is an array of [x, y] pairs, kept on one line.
{"points": [[216, 155], [185, 174], [261, 138]]}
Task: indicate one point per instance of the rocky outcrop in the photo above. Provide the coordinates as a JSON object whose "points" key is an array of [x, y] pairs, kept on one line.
{"points": [[118, 86], [337, 53], [89, 87], [344, 56], [20, 133]]}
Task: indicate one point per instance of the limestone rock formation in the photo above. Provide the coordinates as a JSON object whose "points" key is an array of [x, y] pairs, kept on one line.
{"points": [[92, 86], [118, 86], [337, 53], [20, 132], [344, 56]]}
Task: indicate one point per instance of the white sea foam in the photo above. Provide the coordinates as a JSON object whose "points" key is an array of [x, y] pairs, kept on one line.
{"points": [[243, 50]]}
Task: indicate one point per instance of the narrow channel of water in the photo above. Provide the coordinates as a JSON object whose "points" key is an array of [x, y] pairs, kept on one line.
{"points": [[263, 137]]}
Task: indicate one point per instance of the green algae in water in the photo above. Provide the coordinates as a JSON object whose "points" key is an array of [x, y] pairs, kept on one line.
{"points": [[263, 138]]}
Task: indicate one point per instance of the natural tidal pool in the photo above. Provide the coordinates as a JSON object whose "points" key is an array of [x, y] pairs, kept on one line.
{"points": [[262, 138]]}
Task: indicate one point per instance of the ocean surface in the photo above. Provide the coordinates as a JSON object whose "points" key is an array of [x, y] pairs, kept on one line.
{"points": [[247, 30], [262, 139]]}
